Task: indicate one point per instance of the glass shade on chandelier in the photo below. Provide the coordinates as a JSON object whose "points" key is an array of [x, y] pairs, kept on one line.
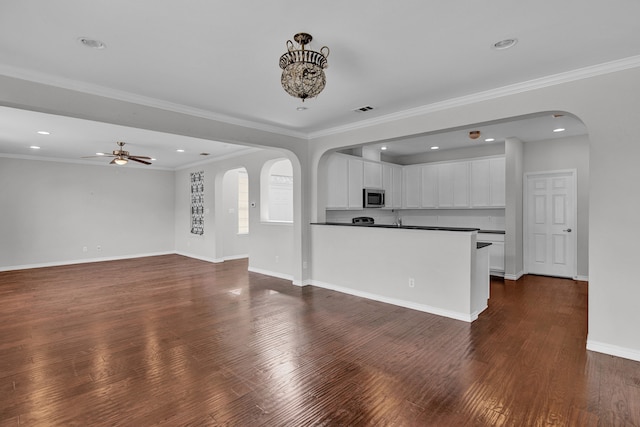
{"points": [[302, 69]]}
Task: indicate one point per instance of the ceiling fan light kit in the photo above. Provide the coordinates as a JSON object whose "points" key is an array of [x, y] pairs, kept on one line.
{"points": [[302, 69], [121, 157]]}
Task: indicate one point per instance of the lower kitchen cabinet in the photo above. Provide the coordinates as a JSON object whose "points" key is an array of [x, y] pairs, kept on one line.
{"points": [[496, 251]]}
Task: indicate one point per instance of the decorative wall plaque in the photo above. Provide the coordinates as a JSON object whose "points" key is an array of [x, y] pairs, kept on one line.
{"points": [[197, 202]]}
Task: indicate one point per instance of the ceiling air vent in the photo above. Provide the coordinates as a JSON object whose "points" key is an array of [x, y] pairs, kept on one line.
{"points": [[204, 154], [363, 109]]}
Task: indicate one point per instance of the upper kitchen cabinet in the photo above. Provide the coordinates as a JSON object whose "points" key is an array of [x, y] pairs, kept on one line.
{"points": [[487, 184], [337, 179], [392, 185], [372, 175], [345, 181], [420, 186], [453, 185], [412, 186], [356, 183]]}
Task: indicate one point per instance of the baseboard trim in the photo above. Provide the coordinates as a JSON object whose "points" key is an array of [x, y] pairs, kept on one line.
{"points": [[232, 257], [401, 303], [271, 273], [582, 278], [201, 258], [301, 283], [513, 277], [613, 350], [81, 261]]}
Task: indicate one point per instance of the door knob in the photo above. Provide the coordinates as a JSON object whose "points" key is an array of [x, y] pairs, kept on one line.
{"points": [[568, 230]]}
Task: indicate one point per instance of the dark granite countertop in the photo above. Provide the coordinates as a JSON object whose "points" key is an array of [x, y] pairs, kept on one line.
{"points": [[404, 227], [492, 231], [480, 245]]}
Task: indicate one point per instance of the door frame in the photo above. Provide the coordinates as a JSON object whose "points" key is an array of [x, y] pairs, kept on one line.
{"points": [[525, 216]]}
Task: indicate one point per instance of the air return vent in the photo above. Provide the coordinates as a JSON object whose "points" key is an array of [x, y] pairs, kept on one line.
{"points": [[363, 109]]}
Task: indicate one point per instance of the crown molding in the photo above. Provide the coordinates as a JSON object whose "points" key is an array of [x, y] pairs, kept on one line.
{"points": [[543, 82], [61, 82]]}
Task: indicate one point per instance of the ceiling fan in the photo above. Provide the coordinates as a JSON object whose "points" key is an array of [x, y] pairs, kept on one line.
{"points": [[122, 157]]}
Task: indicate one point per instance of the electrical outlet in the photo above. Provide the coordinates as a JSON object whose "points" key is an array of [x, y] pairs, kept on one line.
{"points": [[99, 248], [277, 258], [84, 249], [412, 282]]}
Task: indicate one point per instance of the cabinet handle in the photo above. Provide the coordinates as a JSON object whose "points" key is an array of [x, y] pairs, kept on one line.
{"points": [[568, 230]]}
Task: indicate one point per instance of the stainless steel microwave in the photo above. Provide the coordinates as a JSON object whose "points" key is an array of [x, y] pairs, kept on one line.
{"points": [[372, 198]]}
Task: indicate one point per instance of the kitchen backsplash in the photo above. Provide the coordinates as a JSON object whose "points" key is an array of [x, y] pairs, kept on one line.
{"points": [[485, 219]]}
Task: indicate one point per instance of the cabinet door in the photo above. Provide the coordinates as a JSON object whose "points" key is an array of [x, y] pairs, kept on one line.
{"points": [[412, 183], [430, 190], [480, 185], [355, 183], [337, 182], [496, 257], [372, 175], [497, 181], [461, 184], [453, 185], [396, 199]]}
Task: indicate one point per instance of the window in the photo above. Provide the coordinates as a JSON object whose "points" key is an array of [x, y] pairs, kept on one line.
{"points": [[277, 191], [243, 202]]}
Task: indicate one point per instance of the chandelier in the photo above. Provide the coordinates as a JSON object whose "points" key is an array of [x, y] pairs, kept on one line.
{"points": [[303, 70]]}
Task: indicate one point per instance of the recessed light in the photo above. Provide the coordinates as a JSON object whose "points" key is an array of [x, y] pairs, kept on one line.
{"points": [[43, 132], [34, 147], [435, 147], [559, 130], [180, 150], [153, 159], [92, 43], [301, 108], [489, 140], [99, 154], [504, 44], [383, 148]]}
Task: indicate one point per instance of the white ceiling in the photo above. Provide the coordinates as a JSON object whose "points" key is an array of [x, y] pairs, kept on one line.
{"points": [[221, 58]]}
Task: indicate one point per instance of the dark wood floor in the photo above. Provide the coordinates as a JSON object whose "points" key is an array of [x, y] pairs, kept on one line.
{"points": [[176, 341]]}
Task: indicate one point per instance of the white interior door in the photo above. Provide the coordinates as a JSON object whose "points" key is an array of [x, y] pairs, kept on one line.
{"points": [[551, 224]]}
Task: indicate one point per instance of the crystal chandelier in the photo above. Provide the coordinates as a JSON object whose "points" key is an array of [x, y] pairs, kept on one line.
{"points": [[303, 70]]}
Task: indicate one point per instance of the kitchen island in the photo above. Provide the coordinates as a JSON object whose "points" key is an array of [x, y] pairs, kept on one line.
{"points": [[439, 270]]}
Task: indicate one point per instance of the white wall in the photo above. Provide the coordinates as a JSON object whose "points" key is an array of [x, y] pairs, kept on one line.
{"points": [[567, 153], [270, 246], [51, 210]]}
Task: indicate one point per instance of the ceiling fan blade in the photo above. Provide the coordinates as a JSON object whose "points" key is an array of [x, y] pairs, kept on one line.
{"points": [[138, 160], [139, 157], [104, 155], [112, 162]]}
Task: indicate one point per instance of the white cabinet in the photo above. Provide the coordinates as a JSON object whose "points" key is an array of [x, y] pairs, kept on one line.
{"points": [[356, 183], [344, 182], [372, 175], [453, 185], [496, 251], [337, 178], [396, 198], [488, 183], [412, 186], [429, 191], [392, 185]]}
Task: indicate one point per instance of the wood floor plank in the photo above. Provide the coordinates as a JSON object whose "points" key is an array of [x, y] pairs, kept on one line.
{"points": [[175, 341]]}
